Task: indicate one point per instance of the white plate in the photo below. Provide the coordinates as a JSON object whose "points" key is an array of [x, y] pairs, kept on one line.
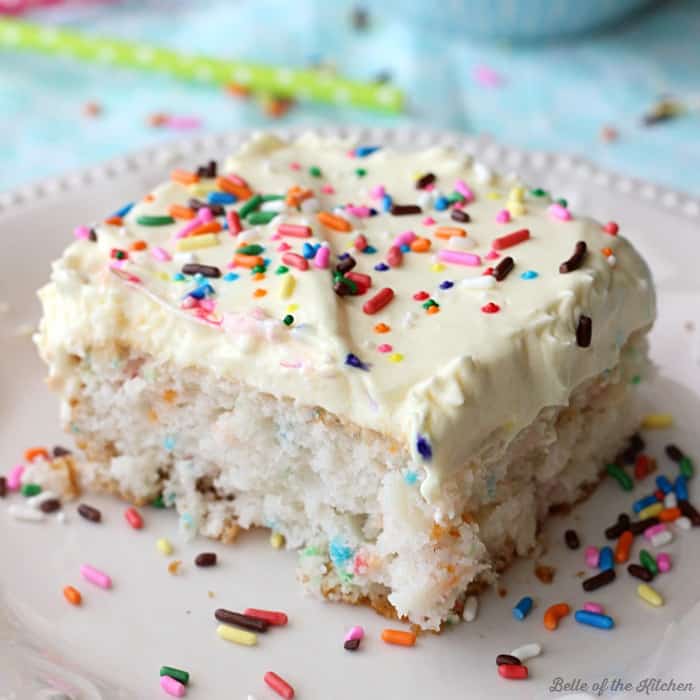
{"points": [[113, 646]]}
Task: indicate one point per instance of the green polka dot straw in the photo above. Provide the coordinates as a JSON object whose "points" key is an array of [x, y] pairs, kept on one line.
{"points": [[282, 82]]}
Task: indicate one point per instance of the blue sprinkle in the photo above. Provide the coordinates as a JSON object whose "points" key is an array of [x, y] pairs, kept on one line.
{"points": [[202, 291], [339, 553], [221, 198], [364, 151], [169, 443], [266, 262], [642, 503], [381, 267], [441, 203], [605, 559], [423, 448], [405, 248], [199, 278], [369, 250], [230, 277], [664, 484], [354, 361], [178, 277], [521, 610], [386, 202], [410, 477], [446, 284], [529, 275], [124, 210], [681, 488], [187, 519], [308, 250], [586, 617]]}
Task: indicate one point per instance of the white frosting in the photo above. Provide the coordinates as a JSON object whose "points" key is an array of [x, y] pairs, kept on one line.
{"points": [[455, 377]]}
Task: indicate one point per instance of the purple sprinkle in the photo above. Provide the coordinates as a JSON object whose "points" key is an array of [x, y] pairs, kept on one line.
{"points": [[381, 267], [342, 256], [355, 361], [446, 284], [424, 449], [373, 212]]}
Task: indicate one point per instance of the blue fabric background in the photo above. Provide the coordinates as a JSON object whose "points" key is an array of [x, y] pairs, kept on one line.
{"points": [[555, 96]]}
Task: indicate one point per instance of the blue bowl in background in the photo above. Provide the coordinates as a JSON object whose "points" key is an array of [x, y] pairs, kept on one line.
{"points": [[516, 20]]}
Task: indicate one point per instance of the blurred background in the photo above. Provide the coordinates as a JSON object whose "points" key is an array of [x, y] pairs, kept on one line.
{"points": [[615, 80]]}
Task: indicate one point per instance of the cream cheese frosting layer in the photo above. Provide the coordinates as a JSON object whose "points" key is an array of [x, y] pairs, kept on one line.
{"points": [[460, 348]]}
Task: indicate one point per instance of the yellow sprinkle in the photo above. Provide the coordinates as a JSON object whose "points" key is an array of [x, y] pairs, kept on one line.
{"points": [[647, 593], [493, 195], [437, 267], [291, 308], [277, 540], [657, 420], [199, 189], [164, 546], [517, 194], [233, 634], [205, 240], [396, 357], [287, 286], [651, 511], [515, 208], [164, 276]]}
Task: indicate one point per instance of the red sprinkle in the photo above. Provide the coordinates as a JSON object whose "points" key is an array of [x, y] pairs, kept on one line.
{"points": [[487, 271], [421, 296], [279, 685], [133, 517], [641, 466], [490, 308], [394, 256], [294, 230], [363, 282], [659, 495], [295, 260], [612, 228], [360, 243], [511, 239], [271, 616], [512, 672], [378, 301], [234, 222]]}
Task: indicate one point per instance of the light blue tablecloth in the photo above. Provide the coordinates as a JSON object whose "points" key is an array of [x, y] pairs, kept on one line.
{"points": [[554, 97]]}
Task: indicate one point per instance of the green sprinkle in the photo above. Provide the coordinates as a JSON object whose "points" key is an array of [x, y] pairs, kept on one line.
{"points": [[119, 254], [176, 673], [349, 284], [360, 172], [455, 197], [429, 303], [252, 249], [272, 197], [155, 220], [250, 206], [257, 268], [636, 379], [538, 192], [648, 562], [288, 320], [315, 171], [311, 552], [31, 490], [562, 202], [686, 467], [621, 476], [158, 502], [261, 217], [282, 270]]}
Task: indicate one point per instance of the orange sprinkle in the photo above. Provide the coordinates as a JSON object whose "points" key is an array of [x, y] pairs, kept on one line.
{"points": [[668, 515], [184, 177], [148, 198], [240, 191], [33, 452], [420, 245], [337, 223], [296, 195], [433, 310], [237, 90], [139, 245], [249, 261], [259, 293], [259, 276], [174, 567], [169, 395], [177, 211], [554, 613], [152, 416], [404, 639], [449, 231], [212, 226], [436, 532], [382, 328], [622, 550], [607, 252], [114, 221], [72, 595]]}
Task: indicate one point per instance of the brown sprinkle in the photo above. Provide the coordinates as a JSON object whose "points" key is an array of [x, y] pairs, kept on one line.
{"points": [[50, 505], [59, 451], [571, 539], [197, 269], [89, 513], [239, 620], [460, 215], [405, 209], [423, 182], [205, 559], [576, 260], [584, 331], [3, 487], [599, 580], [503, 268], [545, 573], [507, 660], [352, 644], [640, 572]]}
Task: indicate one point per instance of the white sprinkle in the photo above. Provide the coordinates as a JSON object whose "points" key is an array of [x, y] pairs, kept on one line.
{"points": [[471, 608], [461, 243], [185, 257], [425, 199], [24, 513], [682, 523], [527, 651], [483, 174], [247, 235], [61, 518], [273, 205], [480, 282], [670, 500], [661, 538], [36, 501], [310, 205], [612, 260]]}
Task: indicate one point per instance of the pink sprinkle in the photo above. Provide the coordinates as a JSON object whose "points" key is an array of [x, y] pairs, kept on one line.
{"points": [[429, 221], [354, 633], [328, 189], [82, 232], [294, 230], [322, 257], [184, 123], [295, 166], [654, 530], [172, 687], [160, 254], [594, 608], [503, 216], [118, 264], [14, 478], [384, 347], [459, 204], [282, 247], [359, 212], [99, 578], [295, 260], [663, 561], [405, 238], [429, 187], [207, 305], [350, 153], [458, 257], [492, 255], [377, 192], [559, 212], [486, 76], [204, 215], [464, 189], [188, 303], [592, 555]]}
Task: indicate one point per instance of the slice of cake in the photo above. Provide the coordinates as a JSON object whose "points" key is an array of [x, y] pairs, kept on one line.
{"points": [[397, 361]]}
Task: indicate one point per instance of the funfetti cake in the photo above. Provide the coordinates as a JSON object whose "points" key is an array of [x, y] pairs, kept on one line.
{"points": [[397, 361]]}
